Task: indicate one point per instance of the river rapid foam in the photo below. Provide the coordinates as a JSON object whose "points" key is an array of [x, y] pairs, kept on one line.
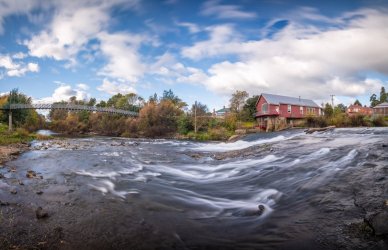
{"points": [[231, 199]]}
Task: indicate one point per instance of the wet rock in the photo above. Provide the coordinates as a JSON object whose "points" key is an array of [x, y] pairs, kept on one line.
{"points": [[379, 223], [41, 213], [39, 192], [195, 155], [31, 174], [261, 209], [385, 145], [1, 176], [13, 191], [20, 183], [4, 203]]}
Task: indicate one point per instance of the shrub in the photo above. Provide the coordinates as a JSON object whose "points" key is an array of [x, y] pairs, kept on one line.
{"points": [[378, 121], [22, 132]]}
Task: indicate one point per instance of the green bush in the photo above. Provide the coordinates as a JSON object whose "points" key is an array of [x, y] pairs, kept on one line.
{"points": [[379, 121]]}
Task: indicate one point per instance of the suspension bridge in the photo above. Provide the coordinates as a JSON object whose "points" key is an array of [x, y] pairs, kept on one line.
{"points": [[69, 107]]}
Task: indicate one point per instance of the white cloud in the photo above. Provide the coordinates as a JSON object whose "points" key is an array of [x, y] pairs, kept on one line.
{"points": [[220, 35], [301, 59], [16, 7], [123, 59], [16, 69], [192, 27], [19, 55], [83, 86], [74, 24], [63, 93], [114, 88], [224, 11]]}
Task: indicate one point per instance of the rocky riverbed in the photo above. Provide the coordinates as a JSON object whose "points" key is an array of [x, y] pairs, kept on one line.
{"points": [[285, 190]]}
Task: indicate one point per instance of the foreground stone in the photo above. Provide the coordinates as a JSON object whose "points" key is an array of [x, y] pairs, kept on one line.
{"points": [[40, 213], [379, 223]]}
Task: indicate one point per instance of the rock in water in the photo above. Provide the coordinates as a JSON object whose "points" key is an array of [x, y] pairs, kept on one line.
{"points": [[261, 210], [13, 191], [31, 174], [40, 213], [39, 192], [379, 223]]}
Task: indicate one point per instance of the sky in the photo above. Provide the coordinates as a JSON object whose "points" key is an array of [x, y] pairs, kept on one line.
{"points": [[202, 50]]}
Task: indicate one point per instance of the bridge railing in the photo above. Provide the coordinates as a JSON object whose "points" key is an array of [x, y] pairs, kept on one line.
{"points": [[73, 107]]}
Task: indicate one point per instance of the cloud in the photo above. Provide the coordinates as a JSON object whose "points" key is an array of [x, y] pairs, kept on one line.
{"points": [[16, 69], [301, 59], [73, 25], [19, 55], [224, 11], [64, 92], [220, 35], [192, 27], [124, 62], [114, 88], [16, 7]]}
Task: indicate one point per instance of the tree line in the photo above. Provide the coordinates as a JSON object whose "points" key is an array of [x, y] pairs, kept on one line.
{"points": [[165, 116]]}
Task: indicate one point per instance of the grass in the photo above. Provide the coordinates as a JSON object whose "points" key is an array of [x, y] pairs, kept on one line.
{"points": [[20, 135]]}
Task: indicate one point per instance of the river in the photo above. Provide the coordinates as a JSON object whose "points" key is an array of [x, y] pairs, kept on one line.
{"points": [[101, 192]]}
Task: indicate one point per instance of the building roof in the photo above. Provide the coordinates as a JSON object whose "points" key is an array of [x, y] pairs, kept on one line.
{"points": [[277, 99], [382, 105], [223, 110]]}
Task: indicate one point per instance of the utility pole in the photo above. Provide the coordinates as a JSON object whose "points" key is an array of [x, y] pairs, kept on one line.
{"points": [[195, 117], [10, 120], [332, 101]]}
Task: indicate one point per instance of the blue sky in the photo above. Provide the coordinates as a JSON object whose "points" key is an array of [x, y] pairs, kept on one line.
{"points": [[202, 50]]}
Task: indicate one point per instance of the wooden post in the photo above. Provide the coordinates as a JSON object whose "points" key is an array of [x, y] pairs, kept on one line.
{"points": [[10, 120]]}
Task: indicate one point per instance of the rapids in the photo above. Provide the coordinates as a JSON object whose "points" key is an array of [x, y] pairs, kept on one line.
{"points": [[204, 202]]}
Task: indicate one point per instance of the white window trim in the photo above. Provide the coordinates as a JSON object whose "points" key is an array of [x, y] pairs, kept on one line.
{"points": [[288, 108]]}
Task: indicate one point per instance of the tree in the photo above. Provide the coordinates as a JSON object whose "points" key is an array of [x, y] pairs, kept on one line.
{"points": [[383, 95], [101, 104], [357, 102], [249, 109], [340, 108], [373, 100], [18, 116], [169, 95], [237, 101], [200, 111], [328, 110], [92, 102], [157, 119]]}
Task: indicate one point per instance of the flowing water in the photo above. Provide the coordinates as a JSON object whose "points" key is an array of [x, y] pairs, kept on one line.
{"points": [[195, 199]]}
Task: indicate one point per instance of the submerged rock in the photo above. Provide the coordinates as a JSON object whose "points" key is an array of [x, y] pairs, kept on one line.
{"points": [[39, 192], [40, 213], [13, 191]]}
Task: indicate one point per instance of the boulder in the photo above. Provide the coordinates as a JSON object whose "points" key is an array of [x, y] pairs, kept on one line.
{"points": [[379, 223], [40, 213], [31, 174]]}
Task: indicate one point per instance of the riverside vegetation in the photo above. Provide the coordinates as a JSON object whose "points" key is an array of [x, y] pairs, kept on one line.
{"points": [[167, 116]]}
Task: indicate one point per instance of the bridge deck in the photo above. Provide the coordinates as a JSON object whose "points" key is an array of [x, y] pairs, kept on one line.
{"points": [[71, 107]]}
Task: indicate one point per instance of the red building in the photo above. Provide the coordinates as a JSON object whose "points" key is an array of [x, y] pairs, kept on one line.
{"points": [[276, 111], [358, 110]]}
